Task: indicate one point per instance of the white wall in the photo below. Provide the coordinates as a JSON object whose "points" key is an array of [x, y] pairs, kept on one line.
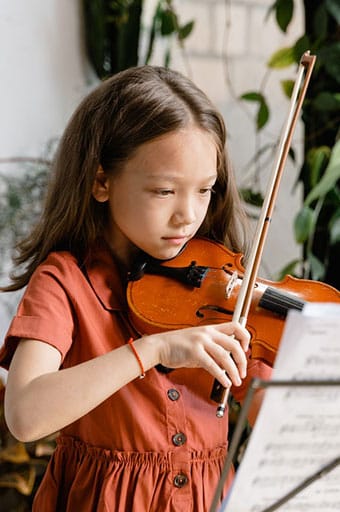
{"points": [[43, 71], [44, 74]]}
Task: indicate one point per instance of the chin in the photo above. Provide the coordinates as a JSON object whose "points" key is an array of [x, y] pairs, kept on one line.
{"points": [[168, 254]]}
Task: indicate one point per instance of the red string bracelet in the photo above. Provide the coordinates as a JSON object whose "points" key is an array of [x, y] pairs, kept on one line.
{"points": [[130, 342]]}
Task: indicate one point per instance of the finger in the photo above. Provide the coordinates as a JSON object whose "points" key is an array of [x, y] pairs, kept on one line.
{"points": [[232, 345], [226, 362], [238, 331], [211, 366], [239, 357]]}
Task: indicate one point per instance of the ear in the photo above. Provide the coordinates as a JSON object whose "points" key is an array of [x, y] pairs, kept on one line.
{"points": [[100, 188]]}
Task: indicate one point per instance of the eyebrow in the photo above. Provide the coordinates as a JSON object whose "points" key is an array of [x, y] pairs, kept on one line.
{"points": [[171, 178]]}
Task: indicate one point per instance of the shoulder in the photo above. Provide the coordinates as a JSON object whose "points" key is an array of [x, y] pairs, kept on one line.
{"points": [[59, 260], [96, 277], [57, 275], [58, 265]]}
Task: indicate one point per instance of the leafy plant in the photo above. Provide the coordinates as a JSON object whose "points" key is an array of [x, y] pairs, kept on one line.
{"points": [[20, 202], [166, 25], [317, 225], [113, 32]]}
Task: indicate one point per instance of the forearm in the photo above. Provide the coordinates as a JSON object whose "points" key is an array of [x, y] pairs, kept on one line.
{"points": [[50, 401], [41, 399]]}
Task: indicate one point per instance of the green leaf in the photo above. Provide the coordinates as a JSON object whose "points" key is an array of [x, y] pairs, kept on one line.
{"points": [[320, 22], [263, 110], [333, 7], [327, 101], [251, 197], [317, 160], [185, 30], [291, 153], [168, 22], [262, 115], [334, 227], [284, 13], [317, 268], [282, 58], [330, 57], [287, 87], [303, 224], [289, 269], [330, 177], [301, 46], [252, 96]]}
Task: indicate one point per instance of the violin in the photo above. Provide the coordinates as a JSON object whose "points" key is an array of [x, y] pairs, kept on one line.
{"points": [[201, 286]]}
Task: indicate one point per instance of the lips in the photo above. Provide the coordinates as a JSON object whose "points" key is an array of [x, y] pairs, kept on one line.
{"points": [[178, 238], [175, 237]]}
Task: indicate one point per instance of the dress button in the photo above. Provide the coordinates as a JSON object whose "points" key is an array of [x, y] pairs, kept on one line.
{"points": [[173, 394], [180, 480], [179, 439]]}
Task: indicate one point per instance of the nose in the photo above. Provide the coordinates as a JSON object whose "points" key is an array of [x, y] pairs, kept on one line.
{"points": [[185, 212]]}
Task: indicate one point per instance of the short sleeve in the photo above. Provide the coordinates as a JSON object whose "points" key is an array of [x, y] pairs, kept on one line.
{"points": [[45, 312]]}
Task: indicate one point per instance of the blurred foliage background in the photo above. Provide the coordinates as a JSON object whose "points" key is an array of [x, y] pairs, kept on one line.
{"points": [[317, 224]]}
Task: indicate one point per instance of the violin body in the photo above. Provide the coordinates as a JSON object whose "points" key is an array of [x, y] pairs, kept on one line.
{"points": [[160, 303]]}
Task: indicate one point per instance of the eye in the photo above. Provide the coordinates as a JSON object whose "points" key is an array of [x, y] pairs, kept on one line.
{"points": [[206, 191], [164, 192]]}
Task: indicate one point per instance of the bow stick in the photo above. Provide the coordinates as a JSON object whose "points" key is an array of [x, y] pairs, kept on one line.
{"points": [[240, 315]]}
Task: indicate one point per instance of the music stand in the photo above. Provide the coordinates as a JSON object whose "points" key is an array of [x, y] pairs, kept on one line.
{"points": [[236, 438]]}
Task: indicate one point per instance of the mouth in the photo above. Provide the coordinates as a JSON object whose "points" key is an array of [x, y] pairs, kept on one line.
{"points": [[176, 240]]}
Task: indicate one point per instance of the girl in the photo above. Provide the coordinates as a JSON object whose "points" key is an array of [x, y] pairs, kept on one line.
{"points": [[141, 168]]}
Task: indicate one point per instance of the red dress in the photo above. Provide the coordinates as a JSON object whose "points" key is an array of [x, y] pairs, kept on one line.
{"points": [[155, 445]]}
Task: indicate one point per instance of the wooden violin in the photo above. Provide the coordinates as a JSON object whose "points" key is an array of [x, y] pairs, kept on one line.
{"points": [[201, 286]]}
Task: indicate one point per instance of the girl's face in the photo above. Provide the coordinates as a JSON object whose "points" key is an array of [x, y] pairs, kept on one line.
{"points": [[160, 198]]}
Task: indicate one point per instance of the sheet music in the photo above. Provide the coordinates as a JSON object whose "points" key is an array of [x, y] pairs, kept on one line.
{"points": [[298, 428]]}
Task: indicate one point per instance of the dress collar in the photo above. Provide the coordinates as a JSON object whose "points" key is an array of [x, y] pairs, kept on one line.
{"points": [[105, 277]]}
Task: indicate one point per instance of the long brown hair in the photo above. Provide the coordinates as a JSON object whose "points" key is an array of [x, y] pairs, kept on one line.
{"points": [[125, 111]]}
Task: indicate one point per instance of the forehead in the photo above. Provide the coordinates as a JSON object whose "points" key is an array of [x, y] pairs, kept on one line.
{"points": [[187, 151]]}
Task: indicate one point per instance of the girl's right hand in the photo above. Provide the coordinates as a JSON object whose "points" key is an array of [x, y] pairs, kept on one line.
{"points": [[219, 348]]}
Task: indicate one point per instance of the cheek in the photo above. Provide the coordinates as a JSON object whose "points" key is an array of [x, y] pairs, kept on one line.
{"points": [[131, 212], [203, 208], [123, 204]]}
